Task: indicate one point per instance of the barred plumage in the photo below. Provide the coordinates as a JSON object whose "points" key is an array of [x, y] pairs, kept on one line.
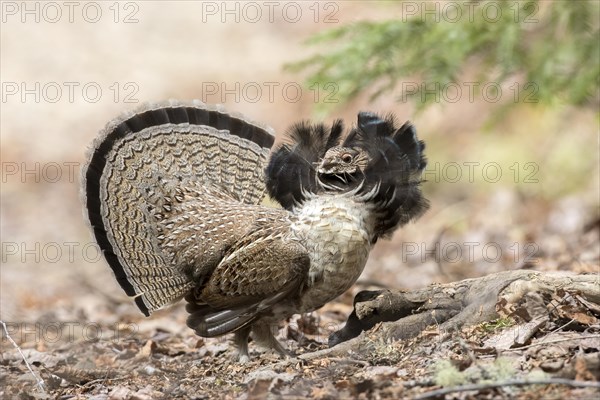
{"points": [[173, 195]]}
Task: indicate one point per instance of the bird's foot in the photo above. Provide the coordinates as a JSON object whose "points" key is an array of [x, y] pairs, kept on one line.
{"points": [[243, 358], [241, 342]]}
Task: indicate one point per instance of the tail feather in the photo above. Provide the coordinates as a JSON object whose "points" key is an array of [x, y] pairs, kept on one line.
{"points": [[210, 323], [139, 159]]}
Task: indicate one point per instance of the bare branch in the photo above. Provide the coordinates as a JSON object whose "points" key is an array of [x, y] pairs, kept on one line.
{"points": [[467, 388], [39, 381]]}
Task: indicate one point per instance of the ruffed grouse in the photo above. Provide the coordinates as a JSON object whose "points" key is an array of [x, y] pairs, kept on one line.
{"points": [[173, 194]]}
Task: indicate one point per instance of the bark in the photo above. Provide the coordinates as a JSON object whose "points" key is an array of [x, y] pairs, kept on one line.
{"points": [[456, 305]]}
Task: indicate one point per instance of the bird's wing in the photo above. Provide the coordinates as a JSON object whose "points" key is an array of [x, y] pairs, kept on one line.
{"points": [[265, 269], [139, 159], [198, 226]]}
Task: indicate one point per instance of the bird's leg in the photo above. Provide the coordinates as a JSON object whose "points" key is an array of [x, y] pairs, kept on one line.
{"points": [[241, 342], [263, 335]]}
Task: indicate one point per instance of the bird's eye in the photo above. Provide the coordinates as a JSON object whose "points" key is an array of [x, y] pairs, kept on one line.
{"points": [[346, 158]]}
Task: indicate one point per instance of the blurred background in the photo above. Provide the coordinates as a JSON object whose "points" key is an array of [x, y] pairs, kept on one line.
{"points": [[505, 94]]}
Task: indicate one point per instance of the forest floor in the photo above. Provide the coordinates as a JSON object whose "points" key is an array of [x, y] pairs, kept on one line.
{"points": [[88, 341]]}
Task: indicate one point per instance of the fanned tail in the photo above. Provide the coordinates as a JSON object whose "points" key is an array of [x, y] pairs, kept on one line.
{"points": [[139, 159]]}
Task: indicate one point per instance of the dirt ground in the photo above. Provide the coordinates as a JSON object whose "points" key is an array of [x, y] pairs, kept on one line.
{"points": [[90, 342], [70, 333]]}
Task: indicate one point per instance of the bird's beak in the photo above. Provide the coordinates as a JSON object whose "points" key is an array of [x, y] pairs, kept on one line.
{"points": [[326, 167]]}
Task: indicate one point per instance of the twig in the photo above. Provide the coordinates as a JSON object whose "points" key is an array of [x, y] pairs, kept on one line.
{"points": [[552, 341], [466, 388], [339, 350], [341, 360], [560, 328], [102, 380], [39, 381]]}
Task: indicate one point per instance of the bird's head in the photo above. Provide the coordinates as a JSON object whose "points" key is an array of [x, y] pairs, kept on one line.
{"points": [[341, 165]]}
